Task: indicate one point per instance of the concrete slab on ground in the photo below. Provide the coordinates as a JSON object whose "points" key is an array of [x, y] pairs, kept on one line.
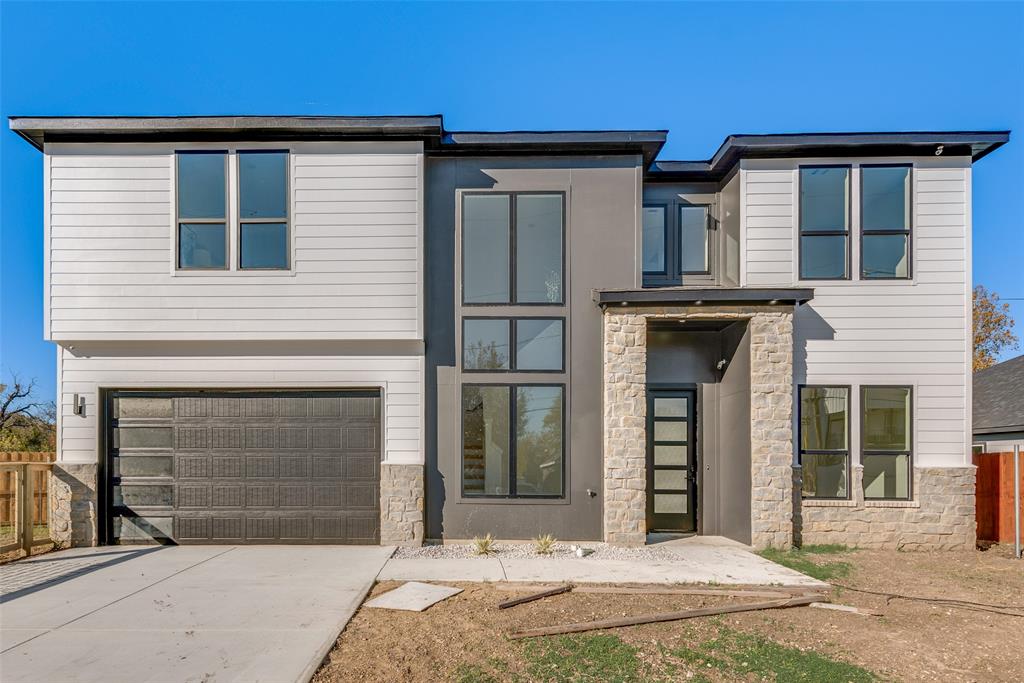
{"points": [[715, 561], [413, 596], [248, 613]]}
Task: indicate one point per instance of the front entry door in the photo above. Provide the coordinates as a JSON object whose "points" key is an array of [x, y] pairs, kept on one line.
{"points": [[671, 460]]}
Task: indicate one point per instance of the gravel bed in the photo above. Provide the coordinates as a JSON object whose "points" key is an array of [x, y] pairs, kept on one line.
{"points": [[594, 551]]}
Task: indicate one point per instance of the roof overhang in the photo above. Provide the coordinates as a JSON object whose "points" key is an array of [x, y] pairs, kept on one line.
{"points": [[690, 296], [39, 130], [975, 144]]}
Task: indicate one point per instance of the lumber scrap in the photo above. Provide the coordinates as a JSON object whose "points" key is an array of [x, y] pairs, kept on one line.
{"points": [[534, 596], [847, 608], [662, 617], [709, 592]]}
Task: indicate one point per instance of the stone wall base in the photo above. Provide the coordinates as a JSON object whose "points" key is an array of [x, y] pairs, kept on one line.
{"points": [[401, 504], [941, 516], [73, 514]]}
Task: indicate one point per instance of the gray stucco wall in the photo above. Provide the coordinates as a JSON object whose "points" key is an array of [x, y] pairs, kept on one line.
{"points": [[602, 212]]}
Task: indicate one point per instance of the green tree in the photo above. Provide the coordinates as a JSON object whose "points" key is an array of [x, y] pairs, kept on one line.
{"points": [[993, 328]]}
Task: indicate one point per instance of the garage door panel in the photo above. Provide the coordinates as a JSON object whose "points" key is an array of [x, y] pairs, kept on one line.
{"points": [[245, 467]]}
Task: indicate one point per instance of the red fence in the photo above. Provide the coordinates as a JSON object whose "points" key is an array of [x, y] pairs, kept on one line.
{"points": [[994, 496]]}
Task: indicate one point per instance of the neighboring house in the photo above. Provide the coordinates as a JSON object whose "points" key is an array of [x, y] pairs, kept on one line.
{"points": [[999, 407], [374, 330]]}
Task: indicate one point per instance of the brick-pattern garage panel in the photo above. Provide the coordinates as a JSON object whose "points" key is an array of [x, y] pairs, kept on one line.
{"points": [[244, 467]]}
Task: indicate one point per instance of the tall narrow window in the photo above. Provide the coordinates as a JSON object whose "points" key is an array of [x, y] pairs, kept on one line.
{"points": [[538, 248], [886, 428], [885, 222], [694, 253], [486, 235], [654, 240], [824, 441], [512, 248], [824, 222], [263, 209], [202, 215]]}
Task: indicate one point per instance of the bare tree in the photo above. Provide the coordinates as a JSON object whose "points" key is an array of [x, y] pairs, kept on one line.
{"points": [[15, 401]]}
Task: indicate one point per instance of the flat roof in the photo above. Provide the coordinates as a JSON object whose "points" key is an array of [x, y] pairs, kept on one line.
{"points": [[430, 129], [695, 296]]}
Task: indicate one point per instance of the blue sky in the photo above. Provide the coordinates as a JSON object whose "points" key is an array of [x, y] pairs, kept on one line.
{"points": [[701, 70]]}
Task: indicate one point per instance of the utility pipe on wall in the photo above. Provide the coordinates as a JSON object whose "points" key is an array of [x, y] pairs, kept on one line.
{"points": [[1016, 501]]}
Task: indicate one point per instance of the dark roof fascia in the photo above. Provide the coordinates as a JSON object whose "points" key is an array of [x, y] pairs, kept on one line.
{"points": [[976, 144], [429, 129], [39, 129], [647, 143], [693, 296], [1008, 431]]}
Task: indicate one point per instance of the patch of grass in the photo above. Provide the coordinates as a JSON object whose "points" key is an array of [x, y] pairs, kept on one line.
{"points": [[472, 673], [740, 654], [826, 549], [798, 559], [583, 658]]}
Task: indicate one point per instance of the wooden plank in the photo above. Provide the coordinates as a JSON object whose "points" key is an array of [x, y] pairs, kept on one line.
{"points": [[846, 608], [534, 596], [645, 590], [663, 617]]}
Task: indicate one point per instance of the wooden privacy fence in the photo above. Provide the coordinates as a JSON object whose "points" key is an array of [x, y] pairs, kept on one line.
{"points": [[994, 496], [24, 499]]}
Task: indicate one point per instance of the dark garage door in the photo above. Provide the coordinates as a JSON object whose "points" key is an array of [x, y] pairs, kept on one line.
{"points": [[243, 467]]}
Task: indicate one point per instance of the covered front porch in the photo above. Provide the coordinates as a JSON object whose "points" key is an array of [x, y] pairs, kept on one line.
{"points": [[698, 413]]}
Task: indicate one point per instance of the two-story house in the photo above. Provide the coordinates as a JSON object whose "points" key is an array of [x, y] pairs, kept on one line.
{"points": [[374, 330]]}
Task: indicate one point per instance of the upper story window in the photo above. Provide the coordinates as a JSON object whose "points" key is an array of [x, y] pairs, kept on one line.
{"points": [[202, 210], [885, 222], [263, 209], [513, 344], [205, 192], [676, 247], [824, 222], [512, 248]]}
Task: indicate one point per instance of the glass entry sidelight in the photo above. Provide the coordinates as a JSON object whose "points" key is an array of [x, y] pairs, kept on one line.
{"points": [[671, 460]]}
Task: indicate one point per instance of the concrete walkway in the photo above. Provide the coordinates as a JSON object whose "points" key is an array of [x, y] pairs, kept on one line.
{"points": [[701, 560], [183, 613]]}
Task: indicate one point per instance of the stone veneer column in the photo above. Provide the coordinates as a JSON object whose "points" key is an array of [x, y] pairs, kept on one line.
{"points": [[73, 515], [401, 504], [771, 429], [625, 415]]}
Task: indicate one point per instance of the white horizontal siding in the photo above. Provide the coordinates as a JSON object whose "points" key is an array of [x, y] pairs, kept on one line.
{"points": [[399, 377], [860, 333], [356, 249]]}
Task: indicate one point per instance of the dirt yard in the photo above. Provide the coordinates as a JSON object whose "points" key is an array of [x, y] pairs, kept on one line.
{"points": [[464, 637]]}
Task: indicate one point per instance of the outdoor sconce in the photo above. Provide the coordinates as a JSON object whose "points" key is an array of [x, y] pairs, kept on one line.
{"points": [[79, 405]]}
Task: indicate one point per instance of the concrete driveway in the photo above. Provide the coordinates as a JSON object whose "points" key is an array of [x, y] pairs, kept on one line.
{"points": [[179, 613]]}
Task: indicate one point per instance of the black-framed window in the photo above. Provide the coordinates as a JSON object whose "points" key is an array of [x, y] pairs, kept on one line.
{"points": [[824, 222], [887, 441], [513, 248], [202, 235], [513, 344], [885, 220], [513, 440], [263, 209], [825, 441], [655, 240], [677, 243]]}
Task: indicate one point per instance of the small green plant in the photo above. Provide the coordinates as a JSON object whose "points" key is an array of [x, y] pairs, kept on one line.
{"points": [[544, 545], [484, 546]]}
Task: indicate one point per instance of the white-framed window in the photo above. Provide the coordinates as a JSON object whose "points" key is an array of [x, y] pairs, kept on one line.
{"points": [[232, 210]]}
